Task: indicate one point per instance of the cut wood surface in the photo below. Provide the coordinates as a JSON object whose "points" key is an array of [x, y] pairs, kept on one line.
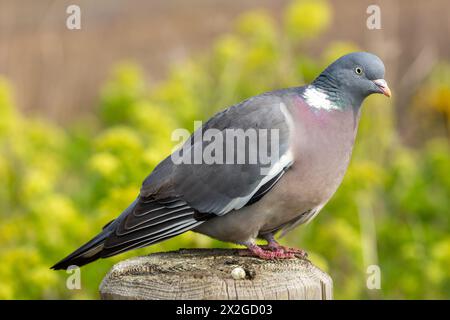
{"points": [[211, 274]]}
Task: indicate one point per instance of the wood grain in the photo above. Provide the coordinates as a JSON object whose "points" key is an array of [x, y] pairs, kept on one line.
{"points": [[205, 274]]}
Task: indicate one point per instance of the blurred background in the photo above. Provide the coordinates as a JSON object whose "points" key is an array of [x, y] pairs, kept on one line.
{"points": [[86, 114]]}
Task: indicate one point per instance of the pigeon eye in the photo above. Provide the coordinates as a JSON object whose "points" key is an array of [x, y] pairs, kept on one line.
{"points": [[358, 70]]}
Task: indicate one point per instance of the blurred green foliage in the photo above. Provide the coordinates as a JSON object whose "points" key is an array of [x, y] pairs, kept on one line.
{"points": [[431, 102], [61, 185]]}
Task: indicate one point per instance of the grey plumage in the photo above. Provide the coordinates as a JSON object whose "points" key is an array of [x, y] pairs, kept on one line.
{"points": [[317, 126]]}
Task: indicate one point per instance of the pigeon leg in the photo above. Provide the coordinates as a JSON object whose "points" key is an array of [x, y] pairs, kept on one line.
{"points": [[273, 245], [257, 251]]}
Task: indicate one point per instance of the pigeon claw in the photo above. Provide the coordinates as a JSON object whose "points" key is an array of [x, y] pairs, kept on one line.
{"points": [[274, 246], [270, 254]]}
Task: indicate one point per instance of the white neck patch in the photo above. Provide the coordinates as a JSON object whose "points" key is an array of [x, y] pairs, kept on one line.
{"points": [[318, 99]]}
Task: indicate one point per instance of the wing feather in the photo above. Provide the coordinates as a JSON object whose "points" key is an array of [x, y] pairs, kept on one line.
{"points": [[176, 198]]}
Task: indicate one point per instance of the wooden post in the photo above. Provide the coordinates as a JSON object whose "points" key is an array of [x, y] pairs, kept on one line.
{"points": [[210, 274]]}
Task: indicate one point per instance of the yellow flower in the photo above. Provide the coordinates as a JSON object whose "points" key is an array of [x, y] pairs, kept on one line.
{"points": [[8, 115], [120, 140], [306, 18], [258, 24], [104, 163], [35, 183]]}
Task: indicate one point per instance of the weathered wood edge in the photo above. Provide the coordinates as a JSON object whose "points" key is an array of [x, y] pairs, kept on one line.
{"points": [[199, 274]]}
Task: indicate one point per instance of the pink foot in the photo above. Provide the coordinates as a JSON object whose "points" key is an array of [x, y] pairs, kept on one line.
{"points": [[275, 246], [254, 250]]}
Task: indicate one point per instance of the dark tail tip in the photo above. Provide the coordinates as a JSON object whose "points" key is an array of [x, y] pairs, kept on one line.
{"points": [[65, 263], [87, 253]]}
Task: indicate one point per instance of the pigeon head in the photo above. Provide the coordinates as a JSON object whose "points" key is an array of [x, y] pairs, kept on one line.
{"points": [[351, 78]]}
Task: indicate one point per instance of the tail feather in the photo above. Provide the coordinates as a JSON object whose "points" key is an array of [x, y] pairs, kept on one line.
{"points": [[92, 250], [87, 253], [136, 227], [148, 239]]}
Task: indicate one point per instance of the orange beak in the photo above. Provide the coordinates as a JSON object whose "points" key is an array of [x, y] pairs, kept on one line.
{"points": [[382, 84]]}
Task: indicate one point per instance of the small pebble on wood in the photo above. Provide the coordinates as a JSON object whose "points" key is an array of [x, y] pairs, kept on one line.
{"points": [[238, 273], [211, 274]]}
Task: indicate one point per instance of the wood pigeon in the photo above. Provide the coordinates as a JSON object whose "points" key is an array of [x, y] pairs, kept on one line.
{"points": [[238, 201]]}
